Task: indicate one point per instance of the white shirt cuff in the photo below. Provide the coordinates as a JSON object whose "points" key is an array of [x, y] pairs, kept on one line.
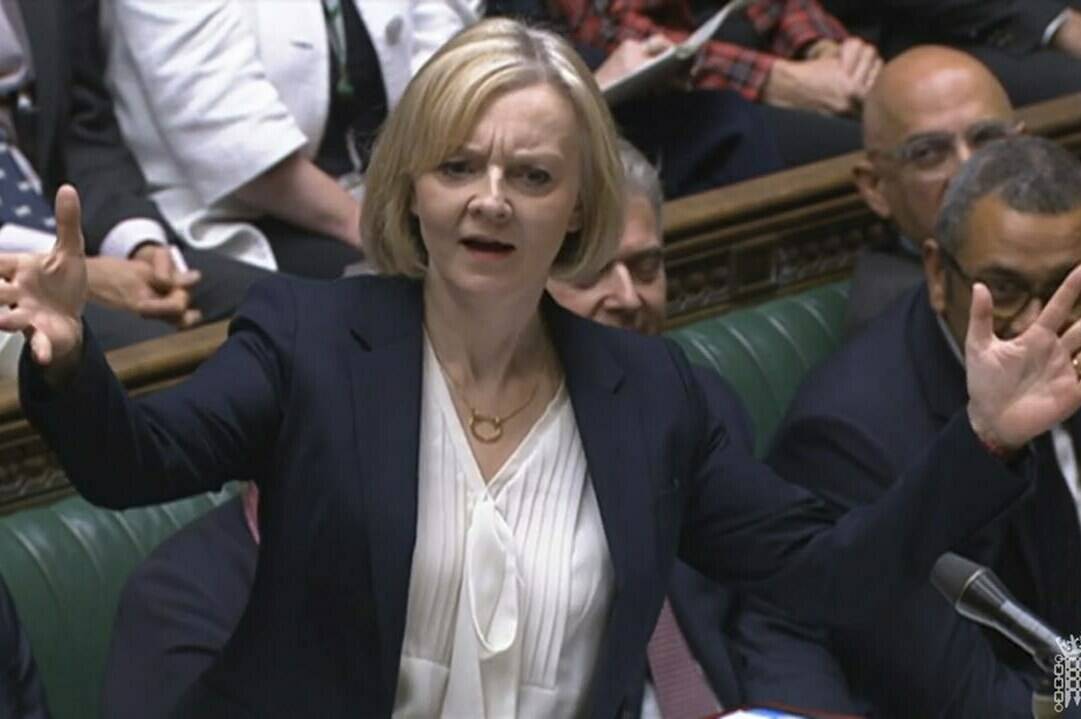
{"points": [[16, 238], [129, 234], [1053, 26]]}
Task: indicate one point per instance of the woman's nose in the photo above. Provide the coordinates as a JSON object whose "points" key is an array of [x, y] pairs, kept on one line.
{"points": [[491, 198]]}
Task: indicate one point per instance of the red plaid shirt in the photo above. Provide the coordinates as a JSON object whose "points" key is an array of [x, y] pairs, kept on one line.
{"points": [[786, 27]]}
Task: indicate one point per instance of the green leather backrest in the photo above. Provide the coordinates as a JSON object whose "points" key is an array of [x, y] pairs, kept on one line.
{"points": [[766, 350], [65, 565]]}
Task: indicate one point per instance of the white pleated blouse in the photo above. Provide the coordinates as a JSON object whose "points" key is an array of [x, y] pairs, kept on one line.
{"points": [[511, 580]]}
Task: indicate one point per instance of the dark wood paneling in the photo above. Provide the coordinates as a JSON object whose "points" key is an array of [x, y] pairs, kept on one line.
{"points": [[29, 473]]}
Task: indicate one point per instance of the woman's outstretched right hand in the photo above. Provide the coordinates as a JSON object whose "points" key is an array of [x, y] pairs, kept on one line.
{"points": [[44, 294]]}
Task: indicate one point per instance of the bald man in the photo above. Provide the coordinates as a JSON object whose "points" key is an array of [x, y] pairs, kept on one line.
{"points": [[930, 108]]}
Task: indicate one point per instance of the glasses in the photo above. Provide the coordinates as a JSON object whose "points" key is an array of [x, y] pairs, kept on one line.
{"points": [[1011, 294], [931, 151]]}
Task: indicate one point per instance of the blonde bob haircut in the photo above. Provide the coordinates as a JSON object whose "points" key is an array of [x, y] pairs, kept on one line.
{"points": [[437, 114]]}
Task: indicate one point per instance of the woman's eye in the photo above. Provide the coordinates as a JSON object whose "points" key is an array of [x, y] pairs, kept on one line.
{"points": [[455, 168], [535, 176], [646, 267]]}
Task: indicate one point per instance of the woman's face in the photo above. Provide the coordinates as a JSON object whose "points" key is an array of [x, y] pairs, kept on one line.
{"points": [[494, 214]]}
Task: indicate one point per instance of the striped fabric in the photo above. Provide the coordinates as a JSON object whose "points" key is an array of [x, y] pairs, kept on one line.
{"points": [[681, 686], [511, 578]]}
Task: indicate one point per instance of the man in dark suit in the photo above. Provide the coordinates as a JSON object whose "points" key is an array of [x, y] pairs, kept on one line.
{"points": [[930, 109], [63, 121], [1032, 46], [178, 609], [1012, 221]]}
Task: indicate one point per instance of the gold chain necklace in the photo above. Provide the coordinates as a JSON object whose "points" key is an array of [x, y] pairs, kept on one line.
{"points": [[478, 420], [494, 423]]}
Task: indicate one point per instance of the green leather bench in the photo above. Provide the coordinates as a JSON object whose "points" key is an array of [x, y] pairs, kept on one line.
{"points": [[66, 563], [766, 350]]}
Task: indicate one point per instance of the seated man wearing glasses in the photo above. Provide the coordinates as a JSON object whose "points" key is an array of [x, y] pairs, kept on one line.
{"points": [[1010, 220], [929, 110]]}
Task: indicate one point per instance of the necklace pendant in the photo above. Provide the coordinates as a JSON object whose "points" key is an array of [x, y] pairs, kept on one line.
{"points": [[485, 428]]}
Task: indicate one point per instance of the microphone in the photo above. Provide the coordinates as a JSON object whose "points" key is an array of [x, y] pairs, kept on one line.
{"points": [[976, 593]]}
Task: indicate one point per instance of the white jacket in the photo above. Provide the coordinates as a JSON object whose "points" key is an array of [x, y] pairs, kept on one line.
{"points": [[210, 94]]}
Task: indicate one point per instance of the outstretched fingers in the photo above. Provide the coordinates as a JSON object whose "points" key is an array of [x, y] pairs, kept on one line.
{"points": [[1071, 338], [69, 230], [1059, 308], [981, 323], [42, 347]]}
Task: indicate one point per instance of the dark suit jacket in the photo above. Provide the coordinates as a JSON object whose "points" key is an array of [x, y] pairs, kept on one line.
{"points": [[702, 607], [1012, 25], [853, 430], [883, 273], [176, 613], [317, 393], [180, 606]]}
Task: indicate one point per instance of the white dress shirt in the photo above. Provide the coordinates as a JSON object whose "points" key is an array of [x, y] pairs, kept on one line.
{"points": [[511, 579]]}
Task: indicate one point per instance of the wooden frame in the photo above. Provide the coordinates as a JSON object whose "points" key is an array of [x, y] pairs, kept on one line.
{"points": [[29, 473]]}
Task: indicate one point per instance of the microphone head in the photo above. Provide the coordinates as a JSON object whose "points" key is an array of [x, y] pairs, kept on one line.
{"points": [[977, 594], [952, 574]]}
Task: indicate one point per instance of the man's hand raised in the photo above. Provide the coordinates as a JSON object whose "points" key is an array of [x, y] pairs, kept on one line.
{"points": [[45, 293], [1022, 387]]}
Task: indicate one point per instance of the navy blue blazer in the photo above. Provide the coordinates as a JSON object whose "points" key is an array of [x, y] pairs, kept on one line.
{"points": [[854, 428], [317, 394], [702, 607], [181, 605]]}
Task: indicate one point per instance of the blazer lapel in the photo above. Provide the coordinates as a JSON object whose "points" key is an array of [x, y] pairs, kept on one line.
{"points": [[609, 424], [386, 382]]}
